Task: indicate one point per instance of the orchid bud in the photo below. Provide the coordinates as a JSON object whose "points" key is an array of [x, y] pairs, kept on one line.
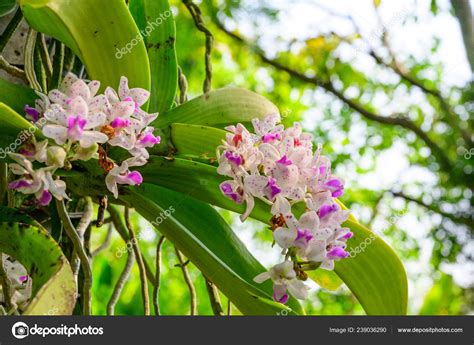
{"points": [[85, 153], [55, 156]]}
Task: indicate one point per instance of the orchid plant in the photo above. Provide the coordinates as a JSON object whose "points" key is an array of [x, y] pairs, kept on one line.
{"points": [[112, 131]]}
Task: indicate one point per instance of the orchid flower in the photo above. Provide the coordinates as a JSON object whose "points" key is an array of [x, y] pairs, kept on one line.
{"points": [[122, 175], [79, 120], [76, 124], [284, 278], [39, 182]]}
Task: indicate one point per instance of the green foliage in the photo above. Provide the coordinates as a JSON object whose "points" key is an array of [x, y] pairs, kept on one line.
{"points": [[6, 7], [54, 290], [210, 244], [219, 108], [110, 47], [156, 24]]}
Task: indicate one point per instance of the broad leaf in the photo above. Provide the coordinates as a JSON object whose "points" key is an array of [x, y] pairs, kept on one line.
{"points": [[375, 276], [156, 23], [7, 6], [54, 286], [16, 96], [205, 238], [101, 33], [374, 273], [196, 140], [326, 279], [220, 108]]}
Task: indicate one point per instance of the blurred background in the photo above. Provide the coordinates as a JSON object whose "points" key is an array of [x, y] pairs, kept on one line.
{"points": [[387, 88]]}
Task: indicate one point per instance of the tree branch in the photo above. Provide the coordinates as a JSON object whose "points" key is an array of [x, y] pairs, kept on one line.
{"points": [[214, 298], [404, 74], [189, 283], [455, 218], [156, 285], [463, 12], [120, 283], [79, 248], [195, 12], [141, 265]]}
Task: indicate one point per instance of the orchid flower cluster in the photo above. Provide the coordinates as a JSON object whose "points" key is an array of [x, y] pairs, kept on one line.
{"points": [[80, 123], [278, 166]]}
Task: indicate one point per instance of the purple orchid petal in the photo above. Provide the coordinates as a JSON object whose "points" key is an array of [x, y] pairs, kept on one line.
{"points": [[336, 187], [337, 253], [135, 178], [284, 161], [33, 113], [233, 157], [130, 99], [322, 169], [305, 235], [346, 236], [279, 293], [120, 123], [75, 127], [283, 299], [23, 278], [272, 189], [227, 190], [45, 198], [327, 209], [26, 152], [149, 140], [19, 184], [271, 137]]}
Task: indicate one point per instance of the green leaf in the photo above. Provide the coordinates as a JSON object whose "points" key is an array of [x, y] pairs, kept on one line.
{"points": [[14, 130], [326, 279], [376, 276], [195, 140], [16, 96], [206, 239], [54, 286], [220, 108], [156, 23], [101, 33], [6, 7]]}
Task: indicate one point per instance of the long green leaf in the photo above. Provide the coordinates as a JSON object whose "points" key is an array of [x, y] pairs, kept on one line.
{"points": [[219, 108], [16, 96], [54, 286], [375, 276], [206, 239], [196, 140], [156, 23], [101, 33]]}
